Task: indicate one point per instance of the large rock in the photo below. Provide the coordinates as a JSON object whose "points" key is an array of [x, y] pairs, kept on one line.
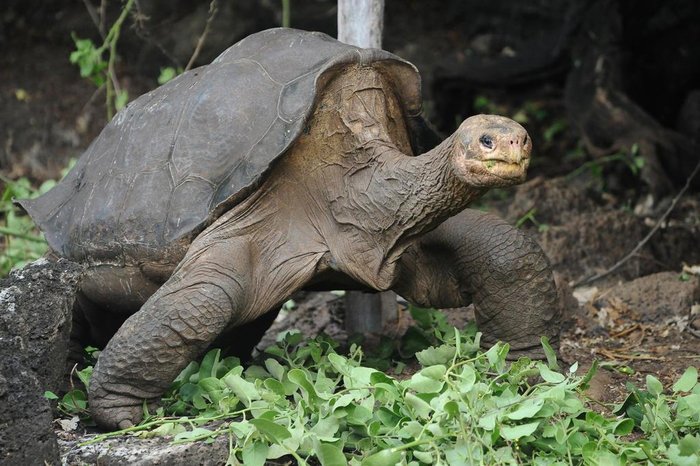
{"points": [[35, 322]]}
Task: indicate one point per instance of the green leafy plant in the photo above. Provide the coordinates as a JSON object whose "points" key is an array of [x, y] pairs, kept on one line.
{"points": [[461, 405], [74, 402], [529, 216], [632, 160], [93, 66], [168, 73], [21, 242]]}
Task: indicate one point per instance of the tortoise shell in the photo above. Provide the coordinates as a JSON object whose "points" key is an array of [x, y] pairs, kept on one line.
{"points": [[176, 158]]}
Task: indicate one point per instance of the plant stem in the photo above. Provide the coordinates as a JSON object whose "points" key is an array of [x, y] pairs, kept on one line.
{"points": [[19, 234], [286, 7], [111, 43]]}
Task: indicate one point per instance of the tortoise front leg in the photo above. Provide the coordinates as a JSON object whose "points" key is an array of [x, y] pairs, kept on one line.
{"points": [[477, 257], [205, 295]]}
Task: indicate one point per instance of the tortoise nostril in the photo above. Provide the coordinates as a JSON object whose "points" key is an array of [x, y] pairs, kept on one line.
{"points": [[525, 140]]}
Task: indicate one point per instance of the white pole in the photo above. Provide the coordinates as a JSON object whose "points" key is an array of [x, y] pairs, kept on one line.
{"points": [[360, 23]]}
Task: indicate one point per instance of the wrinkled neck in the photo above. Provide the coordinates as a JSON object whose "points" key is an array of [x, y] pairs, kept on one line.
{"points": [[400, 197], [393, 198], [431, 190]]}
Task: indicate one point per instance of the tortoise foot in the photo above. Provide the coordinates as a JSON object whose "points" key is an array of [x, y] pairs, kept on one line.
{"points": [[115, 411]]}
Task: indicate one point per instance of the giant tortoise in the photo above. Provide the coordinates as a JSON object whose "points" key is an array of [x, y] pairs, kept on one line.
{"points": [[285, 164]]}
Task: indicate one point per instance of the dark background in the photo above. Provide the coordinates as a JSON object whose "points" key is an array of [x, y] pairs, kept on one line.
{"points": [[474, 56]]}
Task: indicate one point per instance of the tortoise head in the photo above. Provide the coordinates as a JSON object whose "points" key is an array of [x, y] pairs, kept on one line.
{"points": [[491, 151]]}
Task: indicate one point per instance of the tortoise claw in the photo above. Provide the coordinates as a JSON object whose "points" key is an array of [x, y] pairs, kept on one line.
{"points": [[114, 411]]}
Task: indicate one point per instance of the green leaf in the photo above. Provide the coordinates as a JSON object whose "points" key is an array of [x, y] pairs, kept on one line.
{"points": [[424, 456], [358, 415], [679, 459], [244, 390], [165, 430], [199, 402], [290, 337], [549, 375], [653, 385], [84, 375], [299, 377], [75, 401], [166, 74], [623, 427], [255, 454], [419, 406], [452, 409], [194, 434], [526, 409], [388, 457], [275, 368], [49, 395], [359, 377], [340, 363], [422, 384], [210, 384], [436, 355], [331, 455], [271, 430], [326, 428], [209, 364], [689, 445], [549, 353], [573, 368], [488, 422], [275, 386], [121, 99], [516, 432], [687, 381]]}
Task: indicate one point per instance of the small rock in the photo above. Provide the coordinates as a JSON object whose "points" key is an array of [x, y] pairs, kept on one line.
{"points": [[655, 297]]}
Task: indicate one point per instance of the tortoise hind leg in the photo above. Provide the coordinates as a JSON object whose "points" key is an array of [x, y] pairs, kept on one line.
{"points": [[477, 257], [206, 295]]}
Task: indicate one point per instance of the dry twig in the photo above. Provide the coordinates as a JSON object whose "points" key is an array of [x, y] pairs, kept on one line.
{"points": [[213, 9], [614, 355], [646, 239]]}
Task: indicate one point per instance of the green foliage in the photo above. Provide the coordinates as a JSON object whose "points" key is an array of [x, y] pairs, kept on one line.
{"points": [[21, 242], [529, 216], [461, 406], [100, 71], [168, 73], [89, 60], [75, 401], [632, 160]]}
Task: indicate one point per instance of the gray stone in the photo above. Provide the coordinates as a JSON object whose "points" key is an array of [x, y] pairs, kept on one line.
{"points": [[35, 322], [132, 451]]}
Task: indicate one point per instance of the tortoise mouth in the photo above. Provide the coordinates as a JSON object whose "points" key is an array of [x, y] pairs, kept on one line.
{"points": [[506, 169]]}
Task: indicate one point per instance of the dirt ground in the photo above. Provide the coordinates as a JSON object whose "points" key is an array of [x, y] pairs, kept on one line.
{"points": [[642, 319]]}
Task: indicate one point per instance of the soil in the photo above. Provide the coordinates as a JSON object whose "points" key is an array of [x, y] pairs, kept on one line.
{"points": [[642, 319]]}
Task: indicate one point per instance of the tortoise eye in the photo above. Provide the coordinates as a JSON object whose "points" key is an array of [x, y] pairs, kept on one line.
{"points": [[486, 141]]}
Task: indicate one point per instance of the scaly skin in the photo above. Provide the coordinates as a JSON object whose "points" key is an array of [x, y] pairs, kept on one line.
{"points": [[476, 257], [174, 326]]}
